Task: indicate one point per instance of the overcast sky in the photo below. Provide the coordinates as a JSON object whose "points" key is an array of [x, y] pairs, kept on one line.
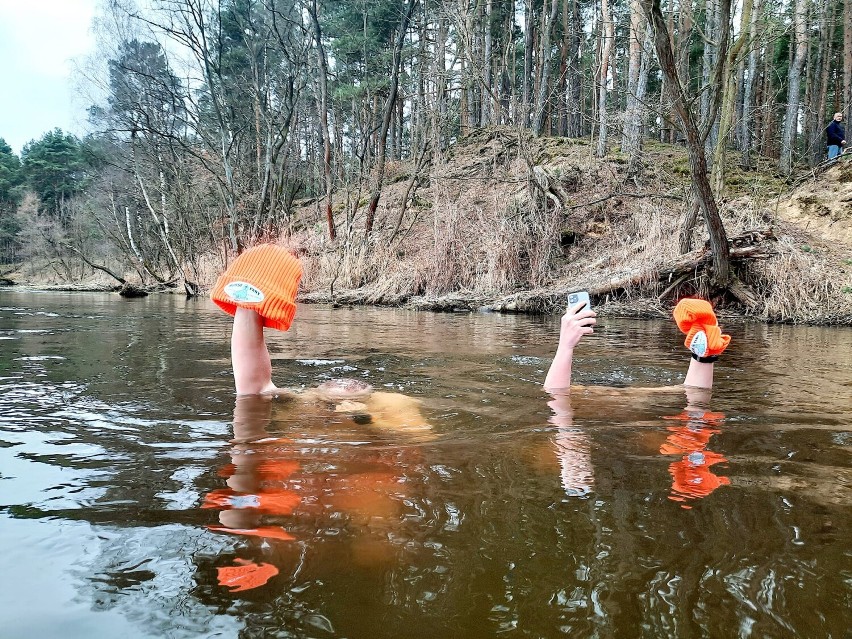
{"points": [[39, 39]]}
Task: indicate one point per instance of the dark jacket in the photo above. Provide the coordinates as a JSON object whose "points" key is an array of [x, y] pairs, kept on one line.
{"points": [[835, 133]]}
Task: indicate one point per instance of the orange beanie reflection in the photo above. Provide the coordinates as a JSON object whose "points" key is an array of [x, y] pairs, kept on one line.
{"points": [[696, 319], [692, 477], [265, 279], [245, 575]]}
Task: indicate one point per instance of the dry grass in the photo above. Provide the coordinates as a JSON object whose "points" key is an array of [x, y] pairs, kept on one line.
{"points": [[485, 247], [803, 284], [477, 231], [808, 281]]}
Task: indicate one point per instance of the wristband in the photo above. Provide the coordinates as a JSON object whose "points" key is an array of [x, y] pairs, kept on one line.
{"points": [[705, 360]]}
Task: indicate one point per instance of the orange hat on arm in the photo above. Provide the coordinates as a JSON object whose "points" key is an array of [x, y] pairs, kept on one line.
{"points": [[265, 279], [696, 319]]}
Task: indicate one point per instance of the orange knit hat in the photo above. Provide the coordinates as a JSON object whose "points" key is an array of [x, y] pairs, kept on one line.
{"points": [[695, 317], [265, 279]]}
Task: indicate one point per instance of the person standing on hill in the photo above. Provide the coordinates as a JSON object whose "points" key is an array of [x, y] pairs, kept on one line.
{"points": [[835, 136]]}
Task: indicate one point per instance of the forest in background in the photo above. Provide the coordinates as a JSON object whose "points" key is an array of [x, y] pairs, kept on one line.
{"points": [[216, 125]]}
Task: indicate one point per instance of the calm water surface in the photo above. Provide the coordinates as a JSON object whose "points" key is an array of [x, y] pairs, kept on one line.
{"points": [[138, 499]]}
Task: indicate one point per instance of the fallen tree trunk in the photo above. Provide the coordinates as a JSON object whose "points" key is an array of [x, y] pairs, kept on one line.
{"points": [[99, 267], [746, 246]]}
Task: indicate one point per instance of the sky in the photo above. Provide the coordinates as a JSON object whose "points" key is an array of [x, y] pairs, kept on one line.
{"points": [[39, 41]]}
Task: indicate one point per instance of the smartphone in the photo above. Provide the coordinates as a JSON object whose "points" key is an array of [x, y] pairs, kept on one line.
{"points": [[579, 296]]}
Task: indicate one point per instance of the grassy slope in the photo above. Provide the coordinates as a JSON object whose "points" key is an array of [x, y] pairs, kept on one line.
{"points": [[475, 234], [476, 238]]}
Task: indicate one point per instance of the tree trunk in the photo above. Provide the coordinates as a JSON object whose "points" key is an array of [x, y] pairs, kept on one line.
{"points": [[818, 90], [712, 40], [695, 145], [440, 109], [544, 64], [748, 93], [474, 78], [633, 61], [504, 93], [573, 79], [764, 118], [323, 116], [388, 114], [418, 118], [488, 115], [464, 98], [608, 34], [634, 166], [664, 111], [847, 60], [729, 92], [529, 31], [561, 84], [785, 164], [637, 76]]}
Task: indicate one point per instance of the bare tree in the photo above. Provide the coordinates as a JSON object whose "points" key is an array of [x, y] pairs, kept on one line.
{"points": [[794, 80], [388, 112], [608, 36], [694, 140]]}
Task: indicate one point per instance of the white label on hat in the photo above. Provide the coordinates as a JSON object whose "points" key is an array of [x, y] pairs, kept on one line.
{"points": [[244, 292], [698, 345]]}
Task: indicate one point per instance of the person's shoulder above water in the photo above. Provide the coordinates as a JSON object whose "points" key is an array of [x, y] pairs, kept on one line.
{"points": [[381, 410]]}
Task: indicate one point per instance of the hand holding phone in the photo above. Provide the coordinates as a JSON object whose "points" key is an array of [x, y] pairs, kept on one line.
{"points": [[579, 296], [578, 320]]}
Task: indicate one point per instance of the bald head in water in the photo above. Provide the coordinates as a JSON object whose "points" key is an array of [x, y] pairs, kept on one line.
{"points": [[337, 390], [383, 411]]}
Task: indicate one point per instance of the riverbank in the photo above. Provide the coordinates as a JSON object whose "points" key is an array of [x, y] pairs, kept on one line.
{"points": [[510, 224]]}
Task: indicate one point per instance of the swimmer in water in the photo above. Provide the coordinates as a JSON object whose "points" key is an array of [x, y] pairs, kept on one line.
{"points": [[689, 432], [694, 317], [259, 290]]}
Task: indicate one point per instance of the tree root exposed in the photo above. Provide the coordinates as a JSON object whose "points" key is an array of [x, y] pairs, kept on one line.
{"points": [[751, 245]]}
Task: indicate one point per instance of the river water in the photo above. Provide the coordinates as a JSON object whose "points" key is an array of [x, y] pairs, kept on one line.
{"points": [[139, 499]]}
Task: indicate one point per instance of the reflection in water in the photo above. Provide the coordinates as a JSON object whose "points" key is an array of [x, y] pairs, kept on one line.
{"points": [[691, 474], [350, 485], [573, 449], [509, 516], [575, 462], [255, 477], [245, 575]]}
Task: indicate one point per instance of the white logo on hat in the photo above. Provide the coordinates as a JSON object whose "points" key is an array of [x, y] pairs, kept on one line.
{"points": [[244, 292], [698, 345]]}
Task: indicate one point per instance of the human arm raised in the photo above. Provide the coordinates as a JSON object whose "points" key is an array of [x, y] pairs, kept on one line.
{"points": [[705, 340], [259, 289], [250, 359], [577, 321]]}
